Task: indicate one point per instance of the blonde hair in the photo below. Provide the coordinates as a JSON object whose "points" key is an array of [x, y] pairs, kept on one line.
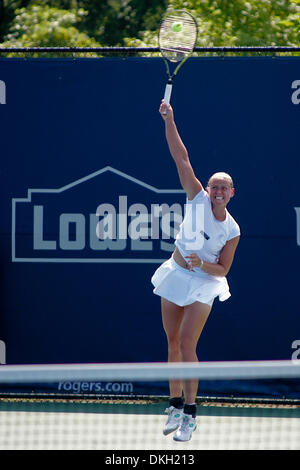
{"points": [[221, 175]]}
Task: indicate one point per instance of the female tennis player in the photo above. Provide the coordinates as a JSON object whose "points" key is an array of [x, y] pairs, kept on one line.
{"points": [[195, 275]]}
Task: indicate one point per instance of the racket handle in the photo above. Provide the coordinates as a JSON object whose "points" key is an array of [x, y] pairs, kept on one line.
{"points": [[168, 92]]}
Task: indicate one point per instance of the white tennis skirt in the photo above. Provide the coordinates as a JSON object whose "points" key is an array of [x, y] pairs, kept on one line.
{"points": [[184, 287]]}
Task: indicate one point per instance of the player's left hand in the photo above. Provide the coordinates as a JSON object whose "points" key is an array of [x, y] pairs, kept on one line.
{"points": [[193, 261]]}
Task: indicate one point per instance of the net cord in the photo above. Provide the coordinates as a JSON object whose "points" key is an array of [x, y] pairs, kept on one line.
{"points": [[150, 371]]}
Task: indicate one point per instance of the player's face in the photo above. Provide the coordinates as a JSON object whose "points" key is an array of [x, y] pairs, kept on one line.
{"points": [[220, 191]]}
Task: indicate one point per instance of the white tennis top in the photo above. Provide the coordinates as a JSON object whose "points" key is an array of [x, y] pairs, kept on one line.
{"points": [[201, 233]]}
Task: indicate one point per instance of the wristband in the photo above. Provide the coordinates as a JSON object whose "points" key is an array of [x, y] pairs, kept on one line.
{"points": [[201, 264]]}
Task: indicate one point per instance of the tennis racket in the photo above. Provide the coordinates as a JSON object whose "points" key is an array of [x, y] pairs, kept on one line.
{"points": [[176, 38]]}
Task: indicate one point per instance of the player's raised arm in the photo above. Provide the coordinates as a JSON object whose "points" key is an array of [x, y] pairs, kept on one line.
{"points": [[188, 180]]}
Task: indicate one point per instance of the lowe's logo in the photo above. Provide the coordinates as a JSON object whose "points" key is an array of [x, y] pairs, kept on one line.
{"points": [[105, 217]]}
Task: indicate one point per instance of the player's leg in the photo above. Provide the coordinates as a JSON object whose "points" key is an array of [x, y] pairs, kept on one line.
{"points": [[172, 317], [193, 322]]}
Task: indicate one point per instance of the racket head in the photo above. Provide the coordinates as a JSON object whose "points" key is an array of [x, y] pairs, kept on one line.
{"points": [[177, 35]]}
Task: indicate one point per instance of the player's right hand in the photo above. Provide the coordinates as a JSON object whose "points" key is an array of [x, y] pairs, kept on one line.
{"points": [[165, 110]]}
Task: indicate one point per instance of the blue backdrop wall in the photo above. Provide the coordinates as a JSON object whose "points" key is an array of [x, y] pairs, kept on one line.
{"points": [[83, 153]]}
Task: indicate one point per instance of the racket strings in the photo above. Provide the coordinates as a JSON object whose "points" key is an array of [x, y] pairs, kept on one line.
{"points": [[175, 45]]}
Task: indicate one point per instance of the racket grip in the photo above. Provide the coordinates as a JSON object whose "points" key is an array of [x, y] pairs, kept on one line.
{"points": [[168, 92]]}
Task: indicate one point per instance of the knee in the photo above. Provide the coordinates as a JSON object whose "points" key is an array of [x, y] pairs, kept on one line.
{"points": [[187, 347], [173, 344]]}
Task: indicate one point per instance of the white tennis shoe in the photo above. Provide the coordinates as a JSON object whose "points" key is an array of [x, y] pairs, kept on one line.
{"points": [[186, 428], [174, 420]]}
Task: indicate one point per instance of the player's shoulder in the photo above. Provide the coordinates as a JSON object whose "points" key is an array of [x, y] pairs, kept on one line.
{"points": [[233, 225], [200, 196]]}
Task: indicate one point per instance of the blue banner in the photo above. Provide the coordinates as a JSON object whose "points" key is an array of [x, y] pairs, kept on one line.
{"points": [[91, 202]]}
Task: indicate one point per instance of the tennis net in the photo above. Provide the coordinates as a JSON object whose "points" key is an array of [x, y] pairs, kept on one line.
{"points": [[132, 422]]}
